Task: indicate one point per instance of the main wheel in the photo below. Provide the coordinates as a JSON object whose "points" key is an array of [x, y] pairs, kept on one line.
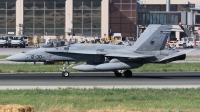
{"points": [[65, 74], [118, 74], [128, 73]]}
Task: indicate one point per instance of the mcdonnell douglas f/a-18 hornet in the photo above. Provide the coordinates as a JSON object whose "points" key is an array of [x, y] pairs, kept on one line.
{"points": [[149, 48]]}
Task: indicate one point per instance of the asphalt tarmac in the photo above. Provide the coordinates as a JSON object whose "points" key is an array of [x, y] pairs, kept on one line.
{"points": [[102, 80]]}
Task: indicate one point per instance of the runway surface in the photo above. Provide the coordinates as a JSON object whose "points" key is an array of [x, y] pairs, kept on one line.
{"points": [[102, 80]]}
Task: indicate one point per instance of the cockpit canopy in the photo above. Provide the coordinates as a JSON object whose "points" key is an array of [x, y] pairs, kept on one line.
{"points": [[55, 43]]}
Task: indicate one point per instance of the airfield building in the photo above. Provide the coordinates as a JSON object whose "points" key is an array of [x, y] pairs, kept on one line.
{"points": [[68, 17], [89, 18]]}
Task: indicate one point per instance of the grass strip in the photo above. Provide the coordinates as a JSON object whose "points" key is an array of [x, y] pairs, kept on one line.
{"points": [[4, 56], [193, 56], [16, 68], [71, 99], [170, 67]]}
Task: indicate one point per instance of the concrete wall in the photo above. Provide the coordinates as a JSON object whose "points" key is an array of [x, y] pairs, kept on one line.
{"points": [[68, 18], [105, 18], [19, 15], [156, 2]]}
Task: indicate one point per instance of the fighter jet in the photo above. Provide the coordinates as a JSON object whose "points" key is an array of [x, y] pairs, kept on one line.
{"points": [[149, 48]]}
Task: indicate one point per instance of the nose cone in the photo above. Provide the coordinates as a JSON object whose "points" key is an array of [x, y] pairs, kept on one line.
{"points": [[20, 57]]}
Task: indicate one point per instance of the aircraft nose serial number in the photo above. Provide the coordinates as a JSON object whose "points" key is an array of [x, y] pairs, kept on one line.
{"points": [[36, 56]]}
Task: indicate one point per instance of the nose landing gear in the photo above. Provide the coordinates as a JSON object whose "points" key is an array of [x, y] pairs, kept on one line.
{"points": [[65, 73]]}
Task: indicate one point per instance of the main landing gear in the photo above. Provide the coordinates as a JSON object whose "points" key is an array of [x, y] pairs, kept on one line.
{"points": [[127, 73]]}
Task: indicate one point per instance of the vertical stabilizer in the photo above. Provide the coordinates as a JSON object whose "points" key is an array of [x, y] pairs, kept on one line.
{"points": [[153, 38]]}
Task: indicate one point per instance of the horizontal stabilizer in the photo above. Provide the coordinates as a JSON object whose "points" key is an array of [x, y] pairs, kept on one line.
{"points": [[130, 56], [176, 54]]}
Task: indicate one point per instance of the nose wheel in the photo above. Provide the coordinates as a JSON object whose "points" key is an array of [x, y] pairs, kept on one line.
{"points": [[65, 73]]}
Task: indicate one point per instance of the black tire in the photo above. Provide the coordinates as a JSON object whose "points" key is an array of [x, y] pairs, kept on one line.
{"points": [[127, 73], [118, 74], [65, 74]]}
